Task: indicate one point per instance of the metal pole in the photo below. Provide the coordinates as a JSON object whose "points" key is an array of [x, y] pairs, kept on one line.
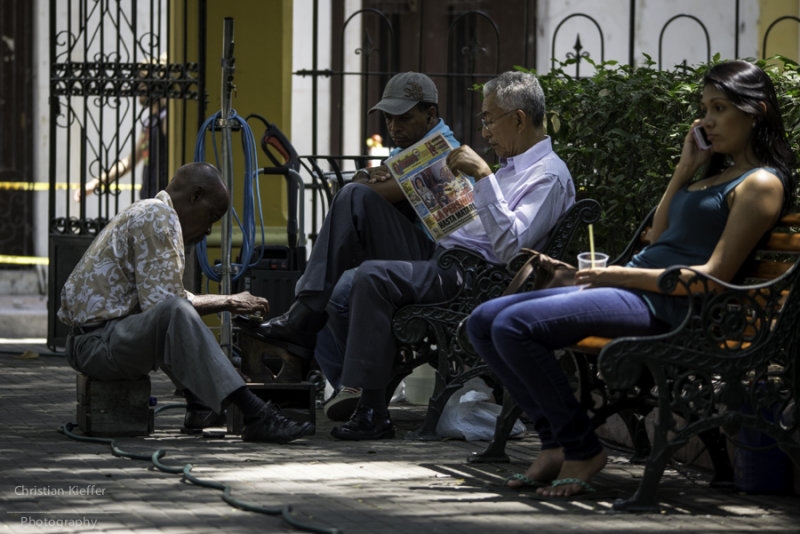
{"points": [[631, 31], [224, 124]]}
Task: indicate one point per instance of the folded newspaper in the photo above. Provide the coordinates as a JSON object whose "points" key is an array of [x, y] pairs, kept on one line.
{"points": [[442, 199]]}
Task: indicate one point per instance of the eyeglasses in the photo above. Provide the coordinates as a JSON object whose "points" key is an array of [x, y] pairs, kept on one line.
{"points": [[490, 122]]}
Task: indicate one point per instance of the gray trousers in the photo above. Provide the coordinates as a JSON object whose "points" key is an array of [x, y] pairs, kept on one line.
{"points": [[170, 336]]}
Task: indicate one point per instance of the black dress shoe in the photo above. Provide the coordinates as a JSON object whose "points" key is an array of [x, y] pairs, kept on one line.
{"points": [[296, 330], [365, 423], [271, 426], [198, 419]]}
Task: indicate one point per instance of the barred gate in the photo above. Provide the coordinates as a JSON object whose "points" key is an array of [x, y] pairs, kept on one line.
{"points": [[113, 68], [459, 43], [16, 135]]}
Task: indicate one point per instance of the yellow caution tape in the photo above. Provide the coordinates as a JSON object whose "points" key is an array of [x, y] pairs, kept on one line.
{"points": [[45, 186], [24, 260]]}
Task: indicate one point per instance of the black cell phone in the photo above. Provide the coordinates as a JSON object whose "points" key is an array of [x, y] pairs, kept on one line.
{"points": [[701, 138]]}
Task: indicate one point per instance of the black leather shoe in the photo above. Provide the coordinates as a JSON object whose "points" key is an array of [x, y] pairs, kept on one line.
{"points": [[271, 426], [198, 419], [365, 423], [296, 330]]}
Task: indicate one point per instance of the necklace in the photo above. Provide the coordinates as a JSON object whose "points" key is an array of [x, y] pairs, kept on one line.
{"points": [[730, 170]]}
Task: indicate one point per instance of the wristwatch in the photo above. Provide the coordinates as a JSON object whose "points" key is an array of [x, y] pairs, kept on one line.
{"points": [[360, 174]]}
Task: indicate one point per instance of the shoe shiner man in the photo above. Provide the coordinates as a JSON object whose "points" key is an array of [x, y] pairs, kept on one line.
{"points": [[129, 313], [517, 206]]}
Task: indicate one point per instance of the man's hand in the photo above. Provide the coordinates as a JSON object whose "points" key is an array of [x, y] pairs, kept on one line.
{"points": [[465, 159], [380, 180], [373, 175], [243, 303], [248, 304]]}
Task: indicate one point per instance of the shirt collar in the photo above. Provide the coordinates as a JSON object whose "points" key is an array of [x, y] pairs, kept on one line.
{"points": [[530, 156], [164, 197]]}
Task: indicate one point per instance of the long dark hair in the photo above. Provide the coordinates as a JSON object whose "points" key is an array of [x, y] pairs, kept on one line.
{"points": [[747, 87]]}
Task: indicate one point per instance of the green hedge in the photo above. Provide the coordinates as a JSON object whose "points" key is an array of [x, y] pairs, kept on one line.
{"points": [[620, 132]]}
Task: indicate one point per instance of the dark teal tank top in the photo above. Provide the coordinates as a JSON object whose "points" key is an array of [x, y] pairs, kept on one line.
{"points": [[697, 219]]}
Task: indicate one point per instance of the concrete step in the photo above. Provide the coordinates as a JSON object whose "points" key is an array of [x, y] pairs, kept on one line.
{"points": [[23, 316], [23, 282], [23, 303]]}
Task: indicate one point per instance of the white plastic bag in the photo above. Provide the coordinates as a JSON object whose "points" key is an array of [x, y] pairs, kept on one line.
{"points": [[471, 414]]}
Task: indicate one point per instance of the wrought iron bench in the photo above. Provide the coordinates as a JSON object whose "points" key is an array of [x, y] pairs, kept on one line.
{"points": [[427, 333], [732, 363]]}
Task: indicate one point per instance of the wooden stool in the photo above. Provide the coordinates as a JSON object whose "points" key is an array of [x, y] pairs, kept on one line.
{"points": [[114, 407]]}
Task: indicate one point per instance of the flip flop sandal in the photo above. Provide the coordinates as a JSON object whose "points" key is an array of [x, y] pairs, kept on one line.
{"points": [[526, 482], [587, 491], [585, 486]]}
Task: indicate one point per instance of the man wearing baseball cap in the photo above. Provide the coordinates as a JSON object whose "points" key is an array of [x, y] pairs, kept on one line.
{"points": [[410, 107]]}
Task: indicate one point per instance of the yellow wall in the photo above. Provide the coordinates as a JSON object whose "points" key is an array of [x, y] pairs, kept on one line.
{"points": [[262, 35], [784, 38]]}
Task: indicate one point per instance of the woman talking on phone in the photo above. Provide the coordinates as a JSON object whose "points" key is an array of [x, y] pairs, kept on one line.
{"points": [[711, 224]]}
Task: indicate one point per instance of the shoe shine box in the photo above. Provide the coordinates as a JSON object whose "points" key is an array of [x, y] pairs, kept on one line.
{"points": [[297, 401], [114, 407]]}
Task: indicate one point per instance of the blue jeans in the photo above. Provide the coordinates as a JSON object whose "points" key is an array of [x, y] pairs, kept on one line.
{"points": [[332, 339], [515, 335]]}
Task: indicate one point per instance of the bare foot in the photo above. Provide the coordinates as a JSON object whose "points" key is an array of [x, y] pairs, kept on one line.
{"points": [[544, 468], [577, 469]]}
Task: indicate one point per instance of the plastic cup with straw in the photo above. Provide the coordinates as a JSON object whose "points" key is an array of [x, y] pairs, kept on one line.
{"points": [[591, 259]]}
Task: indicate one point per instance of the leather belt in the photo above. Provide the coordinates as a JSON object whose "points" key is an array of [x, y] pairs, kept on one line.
{"points": [[85, 329]]}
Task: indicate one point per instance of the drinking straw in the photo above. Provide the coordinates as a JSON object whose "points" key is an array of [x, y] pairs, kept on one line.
{"points": [[591, 245]]}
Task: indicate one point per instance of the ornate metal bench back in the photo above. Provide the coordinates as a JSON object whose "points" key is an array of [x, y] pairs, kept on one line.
{"points": [[731, 363]]}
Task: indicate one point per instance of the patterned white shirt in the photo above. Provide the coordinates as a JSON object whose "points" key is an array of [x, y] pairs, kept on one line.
{"points": [[135, 262]]}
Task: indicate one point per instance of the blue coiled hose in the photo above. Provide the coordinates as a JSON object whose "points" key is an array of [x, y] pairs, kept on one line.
{"points": [[248, 223]]}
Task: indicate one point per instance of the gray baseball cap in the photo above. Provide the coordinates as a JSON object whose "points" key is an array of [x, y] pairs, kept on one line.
{"points": [[406, 90]]}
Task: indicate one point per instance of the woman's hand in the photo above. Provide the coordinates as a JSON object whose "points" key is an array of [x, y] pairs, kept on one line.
{"points": [[619, 276], [610, 276], [692, 158]]}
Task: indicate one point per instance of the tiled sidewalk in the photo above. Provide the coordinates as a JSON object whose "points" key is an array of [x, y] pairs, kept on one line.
{"points": [[54, 484]]}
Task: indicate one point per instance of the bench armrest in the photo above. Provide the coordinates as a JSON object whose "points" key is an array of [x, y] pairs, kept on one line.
{"points": [[727, 326]]}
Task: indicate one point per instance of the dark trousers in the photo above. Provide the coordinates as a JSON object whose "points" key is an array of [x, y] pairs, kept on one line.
{"points": [[380, 288], [361, 225], [396, 266]]}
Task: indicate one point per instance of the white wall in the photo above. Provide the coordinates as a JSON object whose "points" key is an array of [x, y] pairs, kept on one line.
{"points": [[302, 96], [41, 122], [683, 38], [301, 86]]}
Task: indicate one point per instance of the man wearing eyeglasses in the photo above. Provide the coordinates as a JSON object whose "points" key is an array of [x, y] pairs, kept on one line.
{"points": [[517, 206]]}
